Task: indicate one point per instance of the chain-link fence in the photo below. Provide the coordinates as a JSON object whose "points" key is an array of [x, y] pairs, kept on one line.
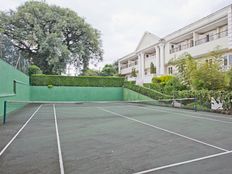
{"points": [[10, 54]]}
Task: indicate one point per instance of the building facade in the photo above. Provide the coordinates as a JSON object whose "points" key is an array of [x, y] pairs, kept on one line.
{"points": [[198, 39]]}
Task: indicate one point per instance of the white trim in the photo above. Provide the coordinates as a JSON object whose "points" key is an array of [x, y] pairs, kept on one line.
{"points": [[20, 130], [184, 162], [165, 130], [58, 142]]}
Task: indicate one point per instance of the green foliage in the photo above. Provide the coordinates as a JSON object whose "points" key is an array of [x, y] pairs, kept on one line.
{"points": [[109, 70], [186, 67], [204, 98], [33, 69], [152, 68], [208, 76], [133, 73], [162, 79], [90, 72], [50, 86], [146, 91], [52, 37], [166, 84], [228, 79], [55, 80]]}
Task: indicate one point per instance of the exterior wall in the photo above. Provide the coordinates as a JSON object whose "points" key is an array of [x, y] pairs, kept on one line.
{"points": [[21, 91], [63, 93], [197, 39]]}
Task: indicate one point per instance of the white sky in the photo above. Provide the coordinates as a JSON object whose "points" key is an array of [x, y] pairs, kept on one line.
{"points": [[123, 22]]}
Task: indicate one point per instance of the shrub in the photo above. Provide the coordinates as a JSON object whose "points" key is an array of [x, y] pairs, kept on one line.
{"points": [[162, 79], [33, 69], [55, 80], [204, 97], [208, 76], [133, 73], [152, 68], [50, 86]]}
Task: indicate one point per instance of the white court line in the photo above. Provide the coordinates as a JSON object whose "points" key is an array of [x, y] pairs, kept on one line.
{"points": [[184, 162], [58, 142], [165, 130], [11, 141], [180, 113], [206, 114]]}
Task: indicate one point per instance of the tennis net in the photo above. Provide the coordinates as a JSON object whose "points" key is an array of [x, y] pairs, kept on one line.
{"points": [[15, 106]]}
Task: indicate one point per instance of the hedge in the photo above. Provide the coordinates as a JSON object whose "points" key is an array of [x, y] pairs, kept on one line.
{"points": [[204, 97], [146, 91], [56, 80]]}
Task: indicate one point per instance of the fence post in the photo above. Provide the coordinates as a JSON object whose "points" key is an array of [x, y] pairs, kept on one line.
{"points": [[4, 113], [195, 104]]}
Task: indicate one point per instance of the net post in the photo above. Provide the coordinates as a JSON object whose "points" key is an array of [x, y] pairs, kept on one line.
{"points": [[195, 104], [4, 112]]}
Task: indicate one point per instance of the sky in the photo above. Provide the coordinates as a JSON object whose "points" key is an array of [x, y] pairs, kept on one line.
{"points": [[123, 22]]}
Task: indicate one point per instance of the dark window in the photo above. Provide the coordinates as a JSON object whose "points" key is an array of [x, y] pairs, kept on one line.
{"points": [[207, 38], [170, 70], [225, 61]]}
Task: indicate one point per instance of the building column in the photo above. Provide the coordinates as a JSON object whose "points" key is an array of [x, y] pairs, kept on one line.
{"points": [[140, 78], [119, 67], [157, 60], [162, 59], [230, 27]]}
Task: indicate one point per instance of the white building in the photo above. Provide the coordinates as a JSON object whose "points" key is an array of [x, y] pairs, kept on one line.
{"points": [[197, 39]]}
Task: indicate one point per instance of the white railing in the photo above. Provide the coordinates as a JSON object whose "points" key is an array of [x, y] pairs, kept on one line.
{"points": [[206, 39]]}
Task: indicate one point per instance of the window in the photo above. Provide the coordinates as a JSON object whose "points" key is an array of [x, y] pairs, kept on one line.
{"points": [[170, 70], [225, 61], [207, 38]]}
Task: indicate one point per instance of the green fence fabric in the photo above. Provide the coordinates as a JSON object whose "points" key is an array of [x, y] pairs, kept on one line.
{"points": [[64, 93], [129, 95], [14, 85]]}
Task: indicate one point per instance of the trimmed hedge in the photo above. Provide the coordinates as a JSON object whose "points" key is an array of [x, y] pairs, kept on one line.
{"points": [[56, 80], [146, 91]]}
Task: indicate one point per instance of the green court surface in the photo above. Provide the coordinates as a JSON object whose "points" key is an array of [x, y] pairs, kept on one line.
{"points": [[114, 138]]}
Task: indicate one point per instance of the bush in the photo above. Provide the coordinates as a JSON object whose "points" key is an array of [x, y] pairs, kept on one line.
{"points": [[162, 79], [146, 91], [208, 76], [50, 86], [33, 69], [204, 97], [56, 80]]}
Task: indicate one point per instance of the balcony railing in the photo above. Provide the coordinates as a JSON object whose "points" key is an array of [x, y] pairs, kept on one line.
{"points": [[181, 47], [133, 63], [210, 38], [206, 39], [123, 66]]}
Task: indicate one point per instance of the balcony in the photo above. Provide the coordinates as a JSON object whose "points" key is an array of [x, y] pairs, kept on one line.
{"points": [[133, 63], [181, 47], [210, 38], [127, 69], [206, 39]]}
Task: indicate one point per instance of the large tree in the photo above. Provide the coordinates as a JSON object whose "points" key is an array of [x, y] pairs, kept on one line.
{"points": [[51, 37]]}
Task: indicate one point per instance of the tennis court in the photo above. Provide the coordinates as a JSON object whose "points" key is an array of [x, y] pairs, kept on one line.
{"points": [[114, 138]]}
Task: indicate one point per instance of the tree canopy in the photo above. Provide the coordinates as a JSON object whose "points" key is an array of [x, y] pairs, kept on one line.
{"points": [[52, 37]]}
